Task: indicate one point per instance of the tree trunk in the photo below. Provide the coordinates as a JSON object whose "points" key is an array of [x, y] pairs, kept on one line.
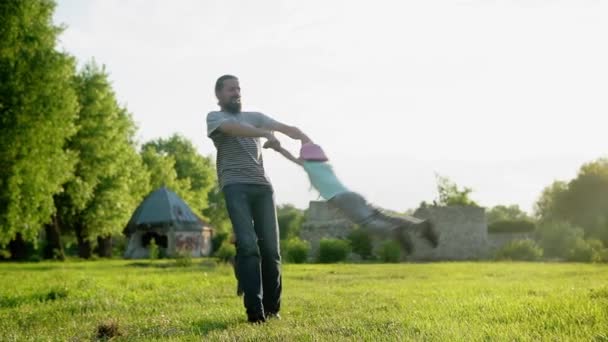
{"points": [[18, 248], [104, 246], [53, 248], [85, 250]]}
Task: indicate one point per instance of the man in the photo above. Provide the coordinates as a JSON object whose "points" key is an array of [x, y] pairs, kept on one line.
{"points": [[249, 195]]}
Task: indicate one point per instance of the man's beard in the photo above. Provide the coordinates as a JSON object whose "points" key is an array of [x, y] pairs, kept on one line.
{"points": [[233, 106]]}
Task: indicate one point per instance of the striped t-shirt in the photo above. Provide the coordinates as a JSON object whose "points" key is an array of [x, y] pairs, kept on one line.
{"points": [[239, 159]]}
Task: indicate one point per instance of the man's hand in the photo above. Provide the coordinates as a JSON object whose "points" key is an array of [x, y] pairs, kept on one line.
{"points": [[272, 142]]}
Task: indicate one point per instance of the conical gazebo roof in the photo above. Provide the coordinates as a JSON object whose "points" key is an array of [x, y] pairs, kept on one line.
{"points": [[163, 208]]}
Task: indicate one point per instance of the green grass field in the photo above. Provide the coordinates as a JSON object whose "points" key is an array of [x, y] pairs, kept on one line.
{"points": [[435, 301]]}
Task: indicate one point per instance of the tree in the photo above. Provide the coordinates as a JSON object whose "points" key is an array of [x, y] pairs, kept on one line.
{"points": [[546, 207], [38, 106], [161, 169], [558, 238], [582, 202], [585, 203], [506, 213], [109, 178], [216, 211], [290, 221], [191, 175], [451, 194]]}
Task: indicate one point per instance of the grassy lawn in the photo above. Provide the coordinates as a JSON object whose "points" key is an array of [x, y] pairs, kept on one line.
{"points": [[436, 301]]}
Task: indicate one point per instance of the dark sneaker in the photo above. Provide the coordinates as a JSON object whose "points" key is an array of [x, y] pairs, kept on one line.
{"points": [[257, 318], [273, 315], [404, 239], [429, 232]]}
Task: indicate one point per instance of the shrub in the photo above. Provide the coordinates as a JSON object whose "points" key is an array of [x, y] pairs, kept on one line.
{"points": [[361, 243], [333, 250], [512, 226], [604, 255], [154, 250], [183, 258], [557, 239], [218, 239], [296, 250], [226, 252], [119, 244], [390, 251], [526, 250], [586, 251]]}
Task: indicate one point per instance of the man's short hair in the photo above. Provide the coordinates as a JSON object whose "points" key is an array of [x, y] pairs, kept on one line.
{"points": [[219, 84]]}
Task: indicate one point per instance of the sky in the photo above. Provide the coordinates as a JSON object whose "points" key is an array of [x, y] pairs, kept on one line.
{"points": [[503, 97]]}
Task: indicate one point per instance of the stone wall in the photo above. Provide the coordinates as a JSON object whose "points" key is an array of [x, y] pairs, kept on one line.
{"points": [[463, 231], [463, 234], [323, 221]]}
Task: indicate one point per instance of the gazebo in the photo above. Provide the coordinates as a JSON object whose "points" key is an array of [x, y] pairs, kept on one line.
{"points": [[163, 217]]}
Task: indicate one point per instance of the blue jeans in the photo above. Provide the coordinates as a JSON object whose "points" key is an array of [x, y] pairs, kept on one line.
{"points": [[258, 259]]}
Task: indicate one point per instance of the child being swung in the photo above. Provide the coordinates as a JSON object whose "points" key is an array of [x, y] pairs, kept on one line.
{"points": [[353, 205]]}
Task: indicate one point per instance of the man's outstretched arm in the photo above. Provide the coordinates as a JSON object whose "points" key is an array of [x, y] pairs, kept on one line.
{"points": [[291, 131], [238, 129], [288, 155]]}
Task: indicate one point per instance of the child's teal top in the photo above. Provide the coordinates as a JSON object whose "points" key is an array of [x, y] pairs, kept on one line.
{"points": [[324, 179]]}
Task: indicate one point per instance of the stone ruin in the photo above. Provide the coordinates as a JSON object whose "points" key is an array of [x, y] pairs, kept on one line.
{"points": [[463, 229]]}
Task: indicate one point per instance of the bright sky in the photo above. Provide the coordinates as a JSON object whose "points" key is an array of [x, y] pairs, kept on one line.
{"points": [[500, 96]]}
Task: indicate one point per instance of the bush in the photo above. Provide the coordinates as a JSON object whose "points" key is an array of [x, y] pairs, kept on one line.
{"points": [[390, 251], [557, 239], [119, 244], [604, 255], [154, 250], [296, 250], [361, 243], [183, 258], [218, 239], [526, 250], [512, 226], [586, 251], [333, 250], [226, 252]]}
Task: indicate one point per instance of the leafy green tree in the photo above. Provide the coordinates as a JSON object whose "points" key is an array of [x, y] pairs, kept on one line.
{"points": [[290, 221], [38, 106], [509, 219], [161, 169], [582, 202], [585, 203], [181, 168], [546, 208], [109, 178], [506, 213], [216, 211], [451, 194]]}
